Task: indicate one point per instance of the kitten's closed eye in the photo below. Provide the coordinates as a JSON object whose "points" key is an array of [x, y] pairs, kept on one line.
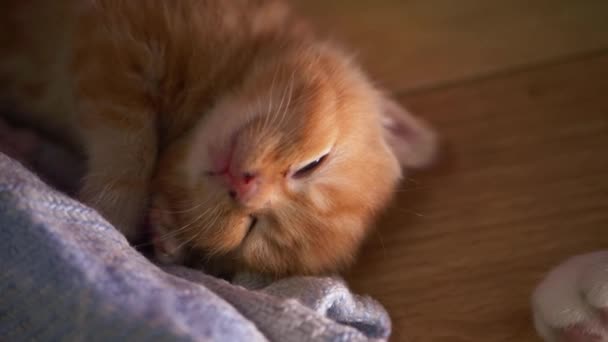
{"points": [[310, 167]]}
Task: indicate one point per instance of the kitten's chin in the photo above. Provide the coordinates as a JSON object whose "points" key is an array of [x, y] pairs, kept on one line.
{"points": [[166, 246]]}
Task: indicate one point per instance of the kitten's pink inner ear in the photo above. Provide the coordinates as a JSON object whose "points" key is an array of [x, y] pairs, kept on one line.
{"points": [[412, 141]]}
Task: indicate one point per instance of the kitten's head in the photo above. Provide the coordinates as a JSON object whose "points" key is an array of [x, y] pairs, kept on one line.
{"points": [[286, 173]]}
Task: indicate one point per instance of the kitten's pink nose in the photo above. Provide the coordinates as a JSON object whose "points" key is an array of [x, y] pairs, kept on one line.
{"points": [[242, 186]]}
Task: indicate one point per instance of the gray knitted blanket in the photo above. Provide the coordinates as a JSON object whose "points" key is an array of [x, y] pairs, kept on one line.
{"points": [[67, 275]]}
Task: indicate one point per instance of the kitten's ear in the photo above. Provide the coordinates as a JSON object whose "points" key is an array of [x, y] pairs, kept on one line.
{"points": [[412, 141]]}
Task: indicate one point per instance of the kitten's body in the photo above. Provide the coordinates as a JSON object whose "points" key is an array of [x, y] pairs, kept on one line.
{"points": [[35, 42], [220, 112]]}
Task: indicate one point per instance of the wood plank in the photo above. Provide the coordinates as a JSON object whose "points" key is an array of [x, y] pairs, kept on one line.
{"points": [[522, 185], [422, 43]]}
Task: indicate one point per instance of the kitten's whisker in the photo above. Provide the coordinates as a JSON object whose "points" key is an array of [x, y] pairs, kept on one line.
{"points": [[210, 223], [251, 115], [275, 115], [270, 102], [284, 112], [183, 210], [295, 129], [384, 254], [411, 188], [187, 241], [271, 97], [204, 228], [173, 233], [270, 116], [105, 193], [184, 227], [411, 180], [411, 212]]}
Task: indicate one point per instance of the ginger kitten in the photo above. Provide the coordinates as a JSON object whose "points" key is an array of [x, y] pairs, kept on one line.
{"points": [[242, 136]]}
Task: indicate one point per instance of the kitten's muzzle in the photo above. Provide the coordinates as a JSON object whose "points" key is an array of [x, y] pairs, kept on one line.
{"points": [[243, 187]]}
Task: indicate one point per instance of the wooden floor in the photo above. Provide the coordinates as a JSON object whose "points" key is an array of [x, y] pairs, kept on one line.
{"points": [[519, 92]]}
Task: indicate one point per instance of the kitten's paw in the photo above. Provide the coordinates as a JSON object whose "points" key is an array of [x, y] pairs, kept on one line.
{"points": [[166, 247], [118, 200], [571, 304]]}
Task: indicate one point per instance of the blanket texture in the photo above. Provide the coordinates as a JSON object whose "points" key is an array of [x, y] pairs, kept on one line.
{"points": [[68, 275]]}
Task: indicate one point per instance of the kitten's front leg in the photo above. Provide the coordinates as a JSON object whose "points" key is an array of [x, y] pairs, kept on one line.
{"points": [[571, 304], [115, 68], [121, 147]]}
